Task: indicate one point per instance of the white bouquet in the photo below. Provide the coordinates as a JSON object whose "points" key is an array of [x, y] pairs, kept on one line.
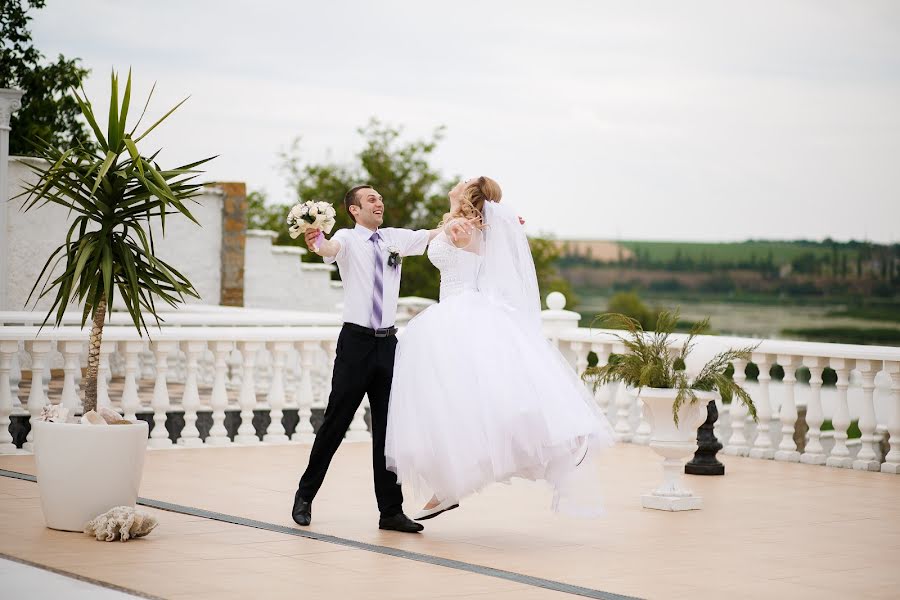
{"points": [[310, 215]]}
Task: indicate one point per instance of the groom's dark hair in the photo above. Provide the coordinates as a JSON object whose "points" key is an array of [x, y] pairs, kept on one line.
{"points": [[350, 198]]}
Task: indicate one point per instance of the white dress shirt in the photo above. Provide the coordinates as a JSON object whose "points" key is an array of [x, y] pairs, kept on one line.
{"points": [[356, 261]]}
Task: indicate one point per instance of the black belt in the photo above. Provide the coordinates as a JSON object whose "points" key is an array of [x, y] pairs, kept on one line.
{"points": [[379, 333]]}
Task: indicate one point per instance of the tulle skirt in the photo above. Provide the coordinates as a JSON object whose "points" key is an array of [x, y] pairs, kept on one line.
{"points": [[477, 398]]}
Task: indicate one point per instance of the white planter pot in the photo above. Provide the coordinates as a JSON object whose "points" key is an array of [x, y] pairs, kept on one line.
{"points": [[675, 443], [84, 470]]}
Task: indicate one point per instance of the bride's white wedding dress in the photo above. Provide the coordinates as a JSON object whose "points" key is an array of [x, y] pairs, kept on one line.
{"points": [[479, 394]]}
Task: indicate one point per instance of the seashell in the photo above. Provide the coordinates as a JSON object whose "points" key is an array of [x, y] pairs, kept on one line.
{"points": [[92, 417], [120, 523], [55, 413], [112, 417]]}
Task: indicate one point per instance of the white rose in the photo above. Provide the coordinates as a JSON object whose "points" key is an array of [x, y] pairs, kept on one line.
{"points": [[313, 211], [296, 211], [329, 212]]}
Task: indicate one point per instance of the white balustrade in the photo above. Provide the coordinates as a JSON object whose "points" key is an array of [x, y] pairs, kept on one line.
{"points": [[275, 432], [866, 458], [190, 399], [131, 402], [37, 399], [304, 432], [72, 351], [891, 462], [8, 350], [247, 432], [813, 453], [762, 444], [840, 453], [300, 360], [737, 444], [218, 400], [787, 449], [159, 437]]}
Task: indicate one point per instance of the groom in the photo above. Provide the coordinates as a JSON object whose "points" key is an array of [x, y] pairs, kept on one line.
{"points": [[369, 262]]}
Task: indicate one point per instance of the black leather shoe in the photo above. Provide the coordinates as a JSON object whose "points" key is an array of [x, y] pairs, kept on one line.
{"points": [[400, 522], [302, 512]]}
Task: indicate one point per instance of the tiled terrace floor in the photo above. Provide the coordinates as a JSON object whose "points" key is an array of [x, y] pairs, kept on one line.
{"points": [[768, 530]]}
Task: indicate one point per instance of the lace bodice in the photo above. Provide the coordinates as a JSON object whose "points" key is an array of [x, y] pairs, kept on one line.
{"points": [[459, 268]]}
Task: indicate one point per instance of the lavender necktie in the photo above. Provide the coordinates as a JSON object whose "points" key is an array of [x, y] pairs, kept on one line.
{"points": [[378, 291]]}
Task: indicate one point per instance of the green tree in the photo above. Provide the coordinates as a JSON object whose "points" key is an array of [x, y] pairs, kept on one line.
{"points": [[48, 113], [415, 196]]}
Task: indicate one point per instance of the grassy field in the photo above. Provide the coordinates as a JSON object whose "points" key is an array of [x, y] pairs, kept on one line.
{"points": [[782, 252]]}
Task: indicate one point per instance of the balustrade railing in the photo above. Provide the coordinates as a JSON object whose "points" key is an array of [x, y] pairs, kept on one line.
{"points": [[236, 381]]}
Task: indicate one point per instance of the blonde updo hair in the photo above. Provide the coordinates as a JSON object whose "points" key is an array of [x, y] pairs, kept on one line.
{"points": [[471, 203]]}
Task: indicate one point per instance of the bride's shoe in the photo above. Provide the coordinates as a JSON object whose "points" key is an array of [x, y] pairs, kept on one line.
{"points": [[430, 513]]}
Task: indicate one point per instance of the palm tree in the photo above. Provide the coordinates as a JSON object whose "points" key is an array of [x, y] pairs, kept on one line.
{"points": [[114, 192]]}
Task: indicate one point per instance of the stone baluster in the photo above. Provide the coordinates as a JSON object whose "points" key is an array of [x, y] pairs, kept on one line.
{"points": [[131, 401], [891, 462], [643, 431], [190, 398], [15, 378], [601, 393], [762, 444], [37, 399], [275, 431], [247, 432], [579, 352], [8, 351], [159, 437], [304, 432], [104, 374], [234, 371], [218, 435], [813, 453], [737, 444], [71, 395], [867, 459], [358, 431], [787, 449], [623, 396], [840, 454], [146, 361]]}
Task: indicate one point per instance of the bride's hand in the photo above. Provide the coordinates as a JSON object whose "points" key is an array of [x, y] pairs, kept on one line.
{"points": [[460, 231]]}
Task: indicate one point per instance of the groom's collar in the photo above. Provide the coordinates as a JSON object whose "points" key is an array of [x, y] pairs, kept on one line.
{"points": [[363, 232]]}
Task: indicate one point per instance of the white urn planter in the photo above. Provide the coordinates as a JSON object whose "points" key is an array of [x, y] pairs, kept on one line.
{"points": [[85, 470], [675, 443]]}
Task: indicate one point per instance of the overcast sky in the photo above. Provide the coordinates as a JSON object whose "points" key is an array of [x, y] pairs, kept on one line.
{"points": [[688, 120]]}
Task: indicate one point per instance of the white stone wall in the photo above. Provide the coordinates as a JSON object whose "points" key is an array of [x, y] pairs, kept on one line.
{"points": [[274, 277], [29, 239]]}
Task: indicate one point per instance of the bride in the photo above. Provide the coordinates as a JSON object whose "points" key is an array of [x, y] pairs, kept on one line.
{"points": [[479, 395]]}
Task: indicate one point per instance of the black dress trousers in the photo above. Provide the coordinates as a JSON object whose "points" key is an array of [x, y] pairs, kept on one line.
{"points": [[364, 365]]}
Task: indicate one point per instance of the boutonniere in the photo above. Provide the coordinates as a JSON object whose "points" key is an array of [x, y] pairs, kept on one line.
{"points": [[394, 258]]}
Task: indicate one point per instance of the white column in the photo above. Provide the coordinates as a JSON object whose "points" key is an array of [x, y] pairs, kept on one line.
{"points": [[8, 350], [866, 459], [10, 102], [71, 396], [643, 431], [246, 432], [275, 398], [737, 444], [762, 445], [190, 399], [601, 393], [131, 402], [787, 449], [218, 435], [39, 351], [159, 437], [623, 396], [104, 374], [840, 454], [891, 462], [814, 454], [304, 432]]}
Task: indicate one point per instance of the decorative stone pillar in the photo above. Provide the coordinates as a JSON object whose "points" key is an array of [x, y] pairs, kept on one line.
{"points": [[10, 102], [234, 240]]}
